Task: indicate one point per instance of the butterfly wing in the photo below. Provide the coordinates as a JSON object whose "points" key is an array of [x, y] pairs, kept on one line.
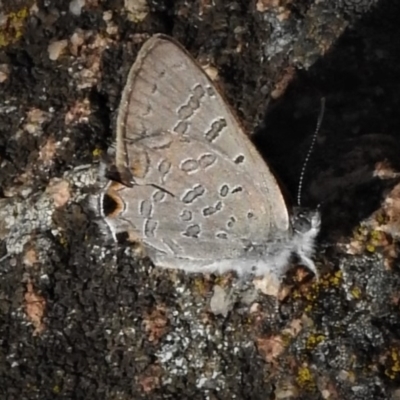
{"points": [[201, 190]]}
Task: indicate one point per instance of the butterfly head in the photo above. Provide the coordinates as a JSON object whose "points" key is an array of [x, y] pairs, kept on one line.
{"points": [[305, 221], [306, 225]]}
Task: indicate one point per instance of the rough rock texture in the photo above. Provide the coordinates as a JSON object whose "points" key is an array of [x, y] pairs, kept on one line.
{"points": [[83, 319]]}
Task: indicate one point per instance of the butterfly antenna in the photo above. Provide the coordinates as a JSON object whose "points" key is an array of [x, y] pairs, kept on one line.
{"points": [[310, 150]]}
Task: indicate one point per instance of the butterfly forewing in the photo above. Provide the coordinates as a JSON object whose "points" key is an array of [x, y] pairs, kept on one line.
{"points": [[198, 174]]}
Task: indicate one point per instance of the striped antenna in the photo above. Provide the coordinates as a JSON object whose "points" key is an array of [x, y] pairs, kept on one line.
{"points": [[310, 150]]}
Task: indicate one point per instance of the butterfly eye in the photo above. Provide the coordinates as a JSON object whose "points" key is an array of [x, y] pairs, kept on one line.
{"points": [[302, 224], [302, 220]]}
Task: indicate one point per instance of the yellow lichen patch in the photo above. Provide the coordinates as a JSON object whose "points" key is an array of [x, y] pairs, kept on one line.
{"points": [[336, 279], [311, 296], [311, 293], [325, 282], [370, 237], [13, 27], [313, 340], [393, 359], [97, 153], [304, 378], [378, 238], [375, 239], [308, 308], [56, 389], [356, 292], [370, 248]]}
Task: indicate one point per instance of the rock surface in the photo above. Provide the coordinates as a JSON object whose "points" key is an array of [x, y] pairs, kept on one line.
{"points": [[83, 319]]}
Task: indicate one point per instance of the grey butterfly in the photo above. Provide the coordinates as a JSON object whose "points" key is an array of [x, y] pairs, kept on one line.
{"points": [[195, 191]]}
